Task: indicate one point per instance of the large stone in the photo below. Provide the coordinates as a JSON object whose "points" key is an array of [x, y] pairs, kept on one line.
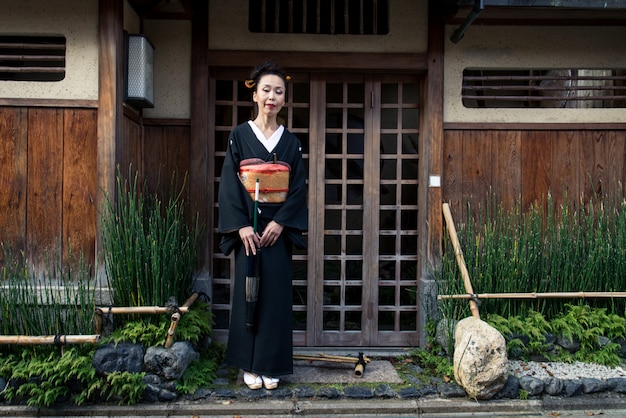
{"points": [[481, 365], [170, 363], [123, 357]]}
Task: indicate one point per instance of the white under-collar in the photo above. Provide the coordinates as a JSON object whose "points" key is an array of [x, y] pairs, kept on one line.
{"points": [[271, 142]]}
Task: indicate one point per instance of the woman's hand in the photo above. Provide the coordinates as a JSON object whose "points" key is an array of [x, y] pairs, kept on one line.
{"points": [[270, 234], [251, 240]]}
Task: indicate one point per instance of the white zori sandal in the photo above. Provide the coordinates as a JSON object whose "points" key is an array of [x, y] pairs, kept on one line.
{"points": [[252, 380], [270, 382]]}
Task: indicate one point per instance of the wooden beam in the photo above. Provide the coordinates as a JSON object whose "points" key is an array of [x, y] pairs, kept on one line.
{"points": [[199, 146], [432, 148], [110, 108], [322, 61]]}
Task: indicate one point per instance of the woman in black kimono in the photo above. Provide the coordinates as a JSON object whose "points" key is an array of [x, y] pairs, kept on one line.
{"points": [[266, 351]]}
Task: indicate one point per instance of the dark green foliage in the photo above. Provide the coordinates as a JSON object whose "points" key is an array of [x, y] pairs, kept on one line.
{"points": [[200, 373], [579, 322], [45, 376], [192, 326], [145, 333], [196, 323]]}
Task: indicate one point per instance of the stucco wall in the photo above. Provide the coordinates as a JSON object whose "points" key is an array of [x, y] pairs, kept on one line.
{"points": [[228, 29], [172, 67], [531, 47], [78, 22]]}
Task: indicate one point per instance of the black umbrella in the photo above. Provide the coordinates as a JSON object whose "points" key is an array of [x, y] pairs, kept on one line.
{"points": [[252, 272]]}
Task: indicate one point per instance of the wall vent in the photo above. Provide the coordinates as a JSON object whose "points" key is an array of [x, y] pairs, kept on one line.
{"points": [[32, 58], [544, 88], [333, 17]]}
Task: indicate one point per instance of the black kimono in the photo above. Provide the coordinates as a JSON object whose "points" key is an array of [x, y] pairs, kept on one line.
{"points": [[269, 349]]}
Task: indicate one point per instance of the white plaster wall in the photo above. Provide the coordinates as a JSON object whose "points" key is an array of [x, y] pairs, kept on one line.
{"points": [[172, 68], [78, 22], [501, 47], [228, 29]]}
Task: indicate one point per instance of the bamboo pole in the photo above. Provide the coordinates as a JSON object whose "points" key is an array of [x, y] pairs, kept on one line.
{"points": [[329, 358], [359, 362], [459, 258], [537, 295], [176, 317], [49, 339], [139, 310]]}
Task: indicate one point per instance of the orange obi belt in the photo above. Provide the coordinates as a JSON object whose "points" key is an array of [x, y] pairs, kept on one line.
{"points": [[273, 179]]}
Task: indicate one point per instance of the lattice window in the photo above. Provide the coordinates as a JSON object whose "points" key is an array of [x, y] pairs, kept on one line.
{"points": [[32, 58], [334, 17], [554, 88]]}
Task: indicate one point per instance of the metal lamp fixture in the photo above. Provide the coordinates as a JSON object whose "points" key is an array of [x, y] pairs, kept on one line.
{"points": [[139, 89]]}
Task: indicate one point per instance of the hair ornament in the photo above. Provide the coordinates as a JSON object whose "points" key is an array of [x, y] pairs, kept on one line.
{"points": [[249, 84], [288, 77]]}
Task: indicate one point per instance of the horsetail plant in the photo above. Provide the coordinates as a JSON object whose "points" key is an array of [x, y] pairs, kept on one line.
{"points": [[573, 247], [149, 248], [60, 301]]}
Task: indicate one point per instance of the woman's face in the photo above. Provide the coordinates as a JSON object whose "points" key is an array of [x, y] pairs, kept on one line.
{"points": [[270, 94]]}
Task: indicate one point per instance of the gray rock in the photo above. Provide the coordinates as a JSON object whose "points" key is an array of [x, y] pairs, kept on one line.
{"points": [[224, 393], [603, 341], [414, 380], [572, 388], [152, 379], [532, 385], [444, 333], [481, 365], [617, 384], [553, 386], [591, 385], [622, 342], [304, 392], [123, 357], [358, 392], [451, 390], [169, 385], [151, 393], [570, 344], [170, 363], [200, 394], [220, 381], [281, 393], [167, 395], [510, 389], [549, 338], [409, 393], [328, 393], [254, 394], [416, 368], [384, 391], [427, 390]]}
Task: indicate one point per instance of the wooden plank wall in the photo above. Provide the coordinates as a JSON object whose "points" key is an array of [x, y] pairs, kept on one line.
{"points": [[48, 180], [166, 151], [529, 164], [48, 183]]}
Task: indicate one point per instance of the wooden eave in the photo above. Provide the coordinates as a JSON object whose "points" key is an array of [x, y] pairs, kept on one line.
{"points": [[162, 9]]}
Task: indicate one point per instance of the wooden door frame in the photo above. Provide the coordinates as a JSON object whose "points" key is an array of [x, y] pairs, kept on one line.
{"points": [[429, 65]]}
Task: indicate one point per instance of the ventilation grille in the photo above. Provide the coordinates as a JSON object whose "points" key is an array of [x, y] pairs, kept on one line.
{"points": [[334, 17], [574, 88], [32, 58]]}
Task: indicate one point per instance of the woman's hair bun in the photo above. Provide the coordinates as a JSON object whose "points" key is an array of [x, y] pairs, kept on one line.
{"points": [[265, 68]]}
